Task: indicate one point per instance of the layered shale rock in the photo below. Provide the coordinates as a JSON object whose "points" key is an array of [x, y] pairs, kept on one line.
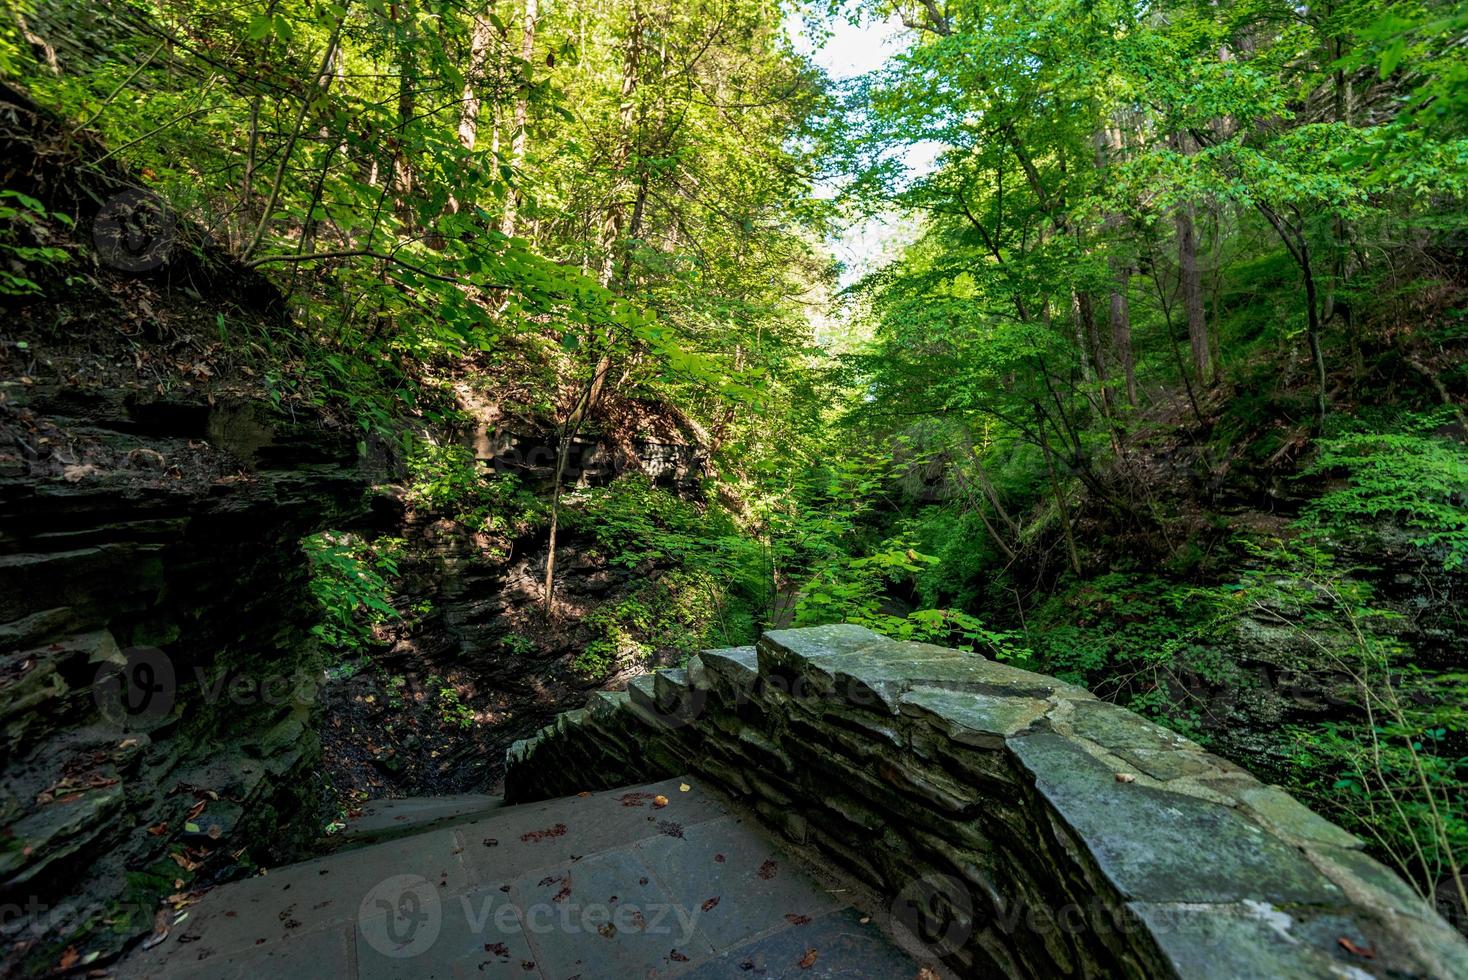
{"points": [[157, 673], [1019, 826]]}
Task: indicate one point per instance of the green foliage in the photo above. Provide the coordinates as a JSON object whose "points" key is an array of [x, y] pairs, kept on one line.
{"points": [[449, 479], [1392, 770], [1412, 476], [708, 578], [452, 710], [618, 628], [1126, 636], [351, 582], [24, 219]]}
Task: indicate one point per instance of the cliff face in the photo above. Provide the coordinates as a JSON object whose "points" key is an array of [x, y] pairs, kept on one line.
{"points": [[157, 675]]}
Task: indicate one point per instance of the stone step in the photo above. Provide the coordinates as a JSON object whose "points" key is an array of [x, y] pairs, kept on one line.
{"points": [[652, 880], [383, 820]]}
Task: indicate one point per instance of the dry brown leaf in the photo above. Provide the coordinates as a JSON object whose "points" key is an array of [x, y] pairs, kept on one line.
{"points": [[809, 959]]}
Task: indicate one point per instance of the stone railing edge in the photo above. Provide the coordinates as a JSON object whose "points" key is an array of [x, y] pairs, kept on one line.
{"points": [[1220, 872]]}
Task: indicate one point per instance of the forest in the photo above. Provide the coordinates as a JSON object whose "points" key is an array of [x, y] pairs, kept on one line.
{"points": [[1155, 381]]}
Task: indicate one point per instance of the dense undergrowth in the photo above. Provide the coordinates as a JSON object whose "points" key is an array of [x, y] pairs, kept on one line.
{"points": [[1164, 394]]}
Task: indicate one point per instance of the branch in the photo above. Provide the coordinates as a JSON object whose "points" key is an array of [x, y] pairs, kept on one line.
{"points": [[359, 253]]}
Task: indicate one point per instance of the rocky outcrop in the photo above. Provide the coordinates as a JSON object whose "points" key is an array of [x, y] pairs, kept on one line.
{"points": [[1019, 826], [156, 669]]}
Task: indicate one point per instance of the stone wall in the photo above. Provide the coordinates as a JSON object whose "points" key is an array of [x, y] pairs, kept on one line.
{"points": [[156, 666], [1017, 825]]}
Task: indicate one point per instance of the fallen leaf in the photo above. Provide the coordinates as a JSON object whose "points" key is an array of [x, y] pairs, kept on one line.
{"points": [[768, 869], [809, 959], [634, 799], [535, 836], [684, 787], [1365, 952], [160, 930], [927, 973], [183, 861], [658, 802], [69, 958], [677, 957], [796, 920], [1125, 777], [708, 906]]}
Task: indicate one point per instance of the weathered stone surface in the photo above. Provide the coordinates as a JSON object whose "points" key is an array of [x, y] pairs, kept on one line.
{"points": [[1031, 830], [180, 536], [1147, 842], [983, 720], [736, 667], [601, 887]]}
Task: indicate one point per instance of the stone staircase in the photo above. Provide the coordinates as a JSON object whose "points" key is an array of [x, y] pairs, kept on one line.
{"points": [[666, 879]]}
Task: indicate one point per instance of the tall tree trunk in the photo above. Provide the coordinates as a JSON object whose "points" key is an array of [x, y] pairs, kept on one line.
{"points": [[1192, 287], [1109, 142], [612, 228], [521, 135], [1070, 539], [1121, 329], [404, 177], [611, 239], [480, 41], [1312, 332]]}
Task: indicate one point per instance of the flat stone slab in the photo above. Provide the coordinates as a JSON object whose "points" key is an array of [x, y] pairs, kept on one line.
{"points": [[647, 881], [385, 819], [1158, 846], [835, 946], [739, 879]]}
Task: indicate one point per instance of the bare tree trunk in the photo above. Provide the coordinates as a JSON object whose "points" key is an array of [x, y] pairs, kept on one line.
{"points": [[1109, 142], [404, 178], [1312, 331], [616, 216], [611, 237], [1192, 284], [1070, 540], [1083, 347], [479, 44], [522, 113], [1121, 330]]}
